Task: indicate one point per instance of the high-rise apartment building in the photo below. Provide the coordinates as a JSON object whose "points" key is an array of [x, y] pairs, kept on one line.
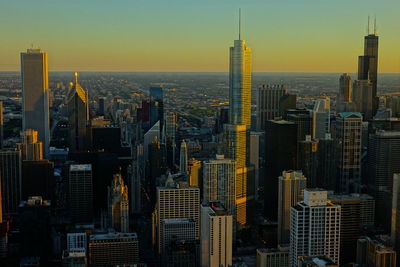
{"points": [[383, 163], [31, 148], [80, 193], [291, 188], [319, 219], [118, 204], [113, 249], [268, 103], [216, 236], [78, 117], [35, 94], [357, 213], [348, 136], [10, 175], [175, 202], [219, 177]]}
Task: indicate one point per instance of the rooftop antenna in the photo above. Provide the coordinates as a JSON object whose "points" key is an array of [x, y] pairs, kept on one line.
{"points": [[368, 26], [240, 17], [375, 25]]}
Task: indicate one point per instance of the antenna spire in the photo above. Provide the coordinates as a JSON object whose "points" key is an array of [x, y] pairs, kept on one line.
{"points": [[240, 22], [375, 25], [368, 26]]}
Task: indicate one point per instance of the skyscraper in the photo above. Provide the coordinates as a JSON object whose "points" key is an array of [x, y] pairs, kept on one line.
{"points": [[35, 94], [280, 155], [237, 131], [368, 64], [80, 193], [10, 175], [78, 117], [268, 103], [1, 125], [345, 89], [183, 158], [31, 148], [291, 189], [363, 98], [321, 118], [219, 177], [194, 172], [315, 227], [216, 236], [118, 204], [348, 136], [383, 163]]}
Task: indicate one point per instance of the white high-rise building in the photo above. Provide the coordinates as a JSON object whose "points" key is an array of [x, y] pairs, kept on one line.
{"points": [[173, 203], [216, 236], [315, 227], [219, 177], [321, 118], [35, 94], [291, 188]]}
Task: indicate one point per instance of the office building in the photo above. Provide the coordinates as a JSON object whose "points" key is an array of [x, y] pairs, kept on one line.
{"points": [[31, 148], [219, 177], [194, 172], [80, 193], [216, 236], [113, 249], [1, 125], [321, 115], [368, 65], [156, 106], [383, 163], [395, 220], [135, 174], [280, 155], [169, 135], [307, 160], [78, 117], [34, 223], [345, 89], [74, 258], [290, 192], [77, 241], [37, 179], [175, 202], [149, 138], [35, 94], [348, 136], [357, 213], [268, 103], [316, 261], [376, 251], [320, 218], [183, 158], [327, 164], [304, 121], [10, 175], [363, 98], [178, 229], [4, 228], [272, 257], [118, 205]]}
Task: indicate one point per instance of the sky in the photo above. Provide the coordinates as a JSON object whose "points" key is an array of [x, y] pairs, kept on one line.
{"points": [[195, 35]]}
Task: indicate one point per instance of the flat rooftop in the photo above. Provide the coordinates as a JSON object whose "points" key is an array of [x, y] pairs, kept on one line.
{"points": [[80, 167], [112, 236]]}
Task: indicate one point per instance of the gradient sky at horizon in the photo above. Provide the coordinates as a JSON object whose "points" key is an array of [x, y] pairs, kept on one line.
{"points": [[190, 35]]}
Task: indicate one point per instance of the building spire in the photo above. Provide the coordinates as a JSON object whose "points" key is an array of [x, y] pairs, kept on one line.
{"points": [[368, 25], [76, 77], [375, 25], [240, 22]]}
